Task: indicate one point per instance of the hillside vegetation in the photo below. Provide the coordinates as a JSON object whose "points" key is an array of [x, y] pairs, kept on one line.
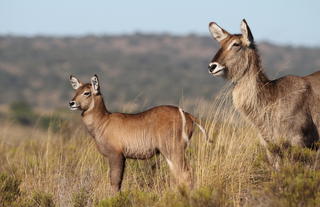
{"points": [[148, 69]]}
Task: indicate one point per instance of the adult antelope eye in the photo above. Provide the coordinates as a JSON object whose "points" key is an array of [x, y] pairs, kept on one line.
{"points": [[86, 93], [236, 44]]}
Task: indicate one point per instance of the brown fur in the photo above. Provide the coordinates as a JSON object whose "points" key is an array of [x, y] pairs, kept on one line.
{"points": [[285, 109], [119, 136]]}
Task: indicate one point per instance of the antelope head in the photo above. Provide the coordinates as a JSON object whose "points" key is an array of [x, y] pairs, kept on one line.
{"points": [[236, 50], [84, 93]]}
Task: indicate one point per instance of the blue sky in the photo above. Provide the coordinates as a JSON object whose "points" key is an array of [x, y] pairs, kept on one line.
{"points": [[285, 22]]}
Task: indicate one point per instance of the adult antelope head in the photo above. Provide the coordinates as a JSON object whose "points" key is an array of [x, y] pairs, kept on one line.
{"points": [[233, 58]]}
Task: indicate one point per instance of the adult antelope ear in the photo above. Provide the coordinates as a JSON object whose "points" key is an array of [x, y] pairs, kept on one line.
{"points": [[95, 85], [75, 83], [246, 33], [217, 32]]}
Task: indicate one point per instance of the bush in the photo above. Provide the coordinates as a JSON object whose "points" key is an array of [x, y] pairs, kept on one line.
{"points": [[208, 197], [182, 198], [53, 122], [9, 189], [294, 185], [39, 199], [81, 198], [22, 113], [129, 199], [205, 196], [303, 155]]}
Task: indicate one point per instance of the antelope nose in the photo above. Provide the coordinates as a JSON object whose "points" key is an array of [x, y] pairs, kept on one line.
{"points": [[72, 103], [211, 67]]}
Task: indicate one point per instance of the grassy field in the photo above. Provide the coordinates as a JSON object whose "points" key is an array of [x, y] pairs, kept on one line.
{"points": [[60, 166]]}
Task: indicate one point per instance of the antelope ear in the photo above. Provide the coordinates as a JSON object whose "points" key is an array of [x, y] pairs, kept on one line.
{"points": [[75, 83], [246, 33], [95, 84], [217, 32]]}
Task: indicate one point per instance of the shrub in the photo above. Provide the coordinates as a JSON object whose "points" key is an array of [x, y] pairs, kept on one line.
{"points": [[53, 122], [129, 199], [22, 113], [208, 197], [303, 155], [81, 198], [9, 189], [294, 185], [39, 199], [204, 196]]}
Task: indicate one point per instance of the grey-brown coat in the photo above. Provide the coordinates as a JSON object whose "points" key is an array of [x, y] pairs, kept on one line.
{"points": [[285, 109]]}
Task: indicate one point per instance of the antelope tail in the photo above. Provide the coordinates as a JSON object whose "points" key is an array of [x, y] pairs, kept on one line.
{"points": [[197, 123]]}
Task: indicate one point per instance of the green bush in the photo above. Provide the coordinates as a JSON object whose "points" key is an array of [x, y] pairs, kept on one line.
{"points": [[204, 196], [294, 185], [9, 189], [181, 198], [208, 197], [303, 155], [53, 122], [81, 198], [22, 113], [129, 199], [293, 153], [39, 199], [10, 194]]}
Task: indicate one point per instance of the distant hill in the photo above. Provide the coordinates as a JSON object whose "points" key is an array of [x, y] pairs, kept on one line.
{"points": [[149, 69]]}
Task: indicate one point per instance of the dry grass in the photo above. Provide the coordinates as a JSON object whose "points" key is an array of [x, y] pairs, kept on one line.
{"points": [[67, 165]]}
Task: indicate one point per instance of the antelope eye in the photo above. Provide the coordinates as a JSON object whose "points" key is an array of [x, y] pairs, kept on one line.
{"points": [[236, 44], [86, 93]]}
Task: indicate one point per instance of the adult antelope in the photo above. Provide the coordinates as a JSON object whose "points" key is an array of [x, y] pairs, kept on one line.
{"points": [[286, 109], [118, 136]]}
